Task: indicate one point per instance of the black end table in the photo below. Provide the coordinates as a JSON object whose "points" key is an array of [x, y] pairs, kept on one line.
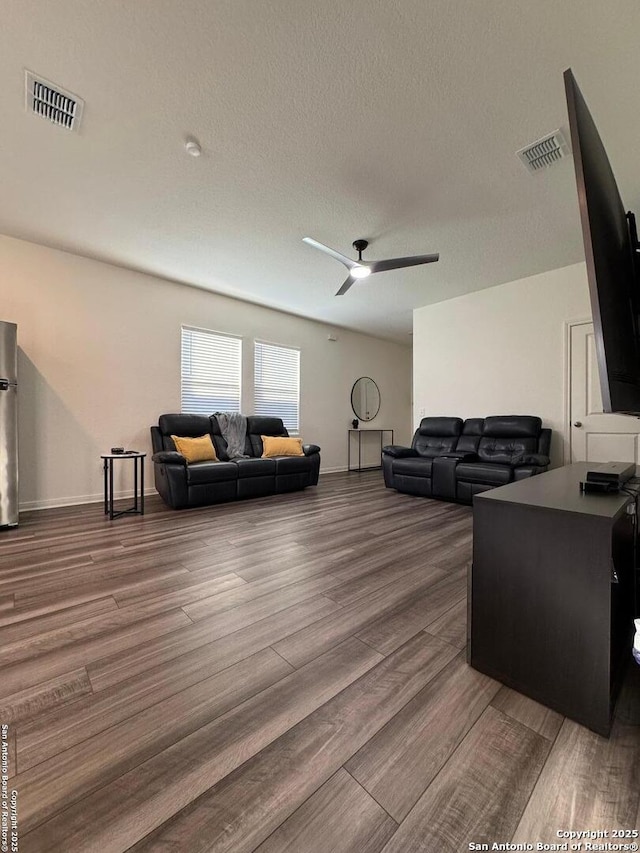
{"points": [[138, 483]]}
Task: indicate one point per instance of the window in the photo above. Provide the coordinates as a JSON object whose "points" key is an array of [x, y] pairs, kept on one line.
{"points": [[211, 370], [277, 383]]}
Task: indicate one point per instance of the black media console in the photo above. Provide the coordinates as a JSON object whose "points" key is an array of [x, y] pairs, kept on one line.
{"points": [[552, 592]]}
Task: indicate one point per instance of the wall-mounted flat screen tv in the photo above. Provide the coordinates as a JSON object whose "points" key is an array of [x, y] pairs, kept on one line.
{"points": [[610, 244]]}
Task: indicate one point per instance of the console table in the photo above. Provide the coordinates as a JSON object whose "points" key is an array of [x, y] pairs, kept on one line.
{"points": [[552, 592], [359, 433]]}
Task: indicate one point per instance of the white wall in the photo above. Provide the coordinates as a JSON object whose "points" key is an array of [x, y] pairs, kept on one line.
{"points": [[99, 360], [500, 350]]}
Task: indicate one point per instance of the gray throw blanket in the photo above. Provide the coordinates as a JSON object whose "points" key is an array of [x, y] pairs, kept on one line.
{"points": [[233, 427]]}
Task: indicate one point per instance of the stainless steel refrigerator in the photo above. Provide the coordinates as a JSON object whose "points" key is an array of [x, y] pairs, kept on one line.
{"points": [[8, 424]]}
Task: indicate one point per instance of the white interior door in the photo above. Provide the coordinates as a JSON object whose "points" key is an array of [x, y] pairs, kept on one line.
{"points": [[595, 436]]}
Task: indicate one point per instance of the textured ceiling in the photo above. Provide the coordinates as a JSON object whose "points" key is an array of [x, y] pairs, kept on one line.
{"points": [[396, 122]]}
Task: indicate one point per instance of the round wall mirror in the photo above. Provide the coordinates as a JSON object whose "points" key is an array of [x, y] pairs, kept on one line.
{"points": [[365, 398]]}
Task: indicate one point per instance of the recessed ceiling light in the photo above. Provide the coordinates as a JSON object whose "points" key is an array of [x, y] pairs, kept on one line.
{"points": [[192, 147]]}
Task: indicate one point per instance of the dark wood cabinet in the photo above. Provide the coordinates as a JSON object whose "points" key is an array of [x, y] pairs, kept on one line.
{"points": [[552, 592]]}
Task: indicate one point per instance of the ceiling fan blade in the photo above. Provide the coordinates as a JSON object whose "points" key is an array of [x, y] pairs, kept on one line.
{"points": [[349, 281], [349, 264], [398, 263]]}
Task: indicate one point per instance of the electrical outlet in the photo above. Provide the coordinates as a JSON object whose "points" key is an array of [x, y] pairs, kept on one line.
{"points": [[422, 412]]}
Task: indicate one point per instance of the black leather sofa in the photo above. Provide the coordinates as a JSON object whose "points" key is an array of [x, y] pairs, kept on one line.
{"points": [[201, 483], [454, 460]]}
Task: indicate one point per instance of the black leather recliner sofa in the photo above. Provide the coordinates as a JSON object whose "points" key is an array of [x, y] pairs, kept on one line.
{"points": [[201, 483], [454, 460]]}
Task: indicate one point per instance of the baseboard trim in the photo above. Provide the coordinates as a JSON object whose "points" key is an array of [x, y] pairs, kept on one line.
{"points": [[76, 500], [344, 470]]}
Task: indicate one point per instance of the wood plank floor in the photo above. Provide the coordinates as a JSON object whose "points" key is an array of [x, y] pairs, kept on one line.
{"points": [[279, 674]]}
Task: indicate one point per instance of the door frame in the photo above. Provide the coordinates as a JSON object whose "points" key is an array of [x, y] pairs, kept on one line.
{"points": [[566, 418]]}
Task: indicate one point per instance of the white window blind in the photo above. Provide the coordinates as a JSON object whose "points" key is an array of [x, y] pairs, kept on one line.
{"points": [[277, 383], [211, 371]]}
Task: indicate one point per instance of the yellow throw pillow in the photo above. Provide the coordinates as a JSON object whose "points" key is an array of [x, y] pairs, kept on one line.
{"points": [[276, 446], [199, 449]]}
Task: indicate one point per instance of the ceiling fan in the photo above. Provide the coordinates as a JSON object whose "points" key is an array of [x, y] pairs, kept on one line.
{"points": [[362, 269]]}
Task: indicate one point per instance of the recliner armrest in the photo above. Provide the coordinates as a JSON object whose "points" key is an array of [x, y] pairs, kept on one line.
{"points": [[537, 459], [398, 452], [169, 457], [310, 449], [461, 456]]}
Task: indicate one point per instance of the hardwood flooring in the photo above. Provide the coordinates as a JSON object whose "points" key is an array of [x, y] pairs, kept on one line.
{"points": [[281, 675]]}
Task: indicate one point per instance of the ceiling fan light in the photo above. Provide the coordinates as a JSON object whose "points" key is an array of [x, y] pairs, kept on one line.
{"points": [[360, 272]]}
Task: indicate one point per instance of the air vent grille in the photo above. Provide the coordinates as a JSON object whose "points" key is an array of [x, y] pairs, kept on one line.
{"points": [[52, 102], [545, 152]]}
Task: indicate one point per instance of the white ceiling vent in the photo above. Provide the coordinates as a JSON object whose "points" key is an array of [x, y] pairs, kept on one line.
{"points": [[52, 102], [545, 152]]}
